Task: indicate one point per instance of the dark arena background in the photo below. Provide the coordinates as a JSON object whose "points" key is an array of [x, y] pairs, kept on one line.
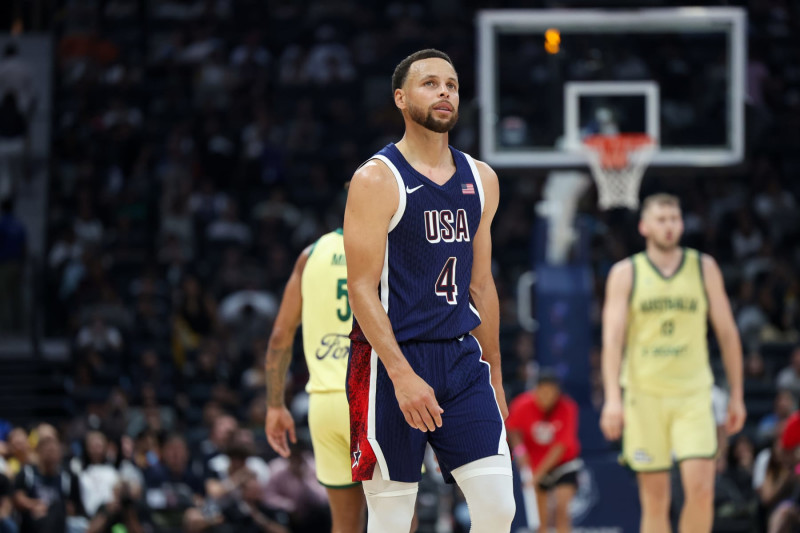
{"points": [[163, 163]]}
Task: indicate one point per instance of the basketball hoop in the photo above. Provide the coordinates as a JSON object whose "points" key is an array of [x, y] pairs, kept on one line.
{"points": [[618, 163]]}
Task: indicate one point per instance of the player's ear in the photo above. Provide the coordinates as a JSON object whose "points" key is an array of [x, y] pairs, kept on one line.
{"points": [[642, 228], [400, 98]]}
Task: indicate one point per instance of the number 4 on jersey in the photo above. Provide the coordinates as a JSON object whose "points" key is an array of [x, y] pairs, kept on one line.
{"points": [[446, 282]]}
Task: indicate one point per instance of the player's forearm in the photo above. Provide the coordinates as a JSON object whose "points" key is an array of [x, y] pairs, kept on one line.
{"points": [[484, 296], [279, 356], [554, 455], [374, 322], [731, 349], [611, 362]]}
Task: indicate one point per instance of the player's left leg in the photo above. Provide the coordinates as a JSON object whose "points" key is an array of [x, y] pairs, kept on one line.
{"points": [[694, 439], [347, 509], [329, 422], [488, 487], [390, 504], [471, 445], [697, 477]]}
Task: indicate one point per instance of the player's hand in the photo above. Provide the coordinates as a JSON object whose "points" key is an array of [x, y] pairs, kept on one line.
{"points": [[500, 394], [418, 402], [737, 414], [279, 423], [611, 420]]}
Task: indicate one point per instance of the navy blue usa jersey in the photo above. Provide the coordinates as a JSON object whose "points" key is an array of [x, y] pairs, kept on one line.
{"points": [[428, 264]]}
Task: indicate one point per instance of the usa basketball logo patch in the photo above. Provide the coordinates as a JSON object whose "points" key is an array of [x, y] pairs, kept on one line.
{"points": [[467, 188]]}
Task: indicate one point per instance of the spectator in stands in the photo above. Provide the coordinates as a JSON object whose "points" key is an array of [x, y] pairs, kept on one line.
{"points": [[755, 370], [249, 514], [87, 226], [150, 414], [98, 478], [66, 249], [229, 229], [242, 445], [735, 504], [789, 377], [229, 483], [741, 457], [126, 511], [13, 250], [151, 370], [46, 495], [195, 317], [770, 477], [7, 523], [769, 426], [222, 431], [543, 432], [293, 487], [99, 336], [19, 449], [173, 484], [786, 494], [254, 378], [248, 313]]}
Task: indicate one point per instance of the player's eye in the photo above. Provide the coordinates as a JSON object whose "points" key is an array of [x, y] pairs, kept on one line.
{"points": [[452, 86], [429, 83]]}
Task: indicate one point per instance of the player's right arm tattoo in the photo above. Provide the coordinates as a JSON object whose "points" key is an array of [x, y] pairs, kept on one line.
{"points": [[277, 365], [279, 351]]}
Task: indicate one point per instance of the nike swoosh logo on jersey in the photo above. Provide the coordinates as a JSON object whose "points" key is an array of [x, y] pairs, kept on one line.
{"points": [[409, 191]]}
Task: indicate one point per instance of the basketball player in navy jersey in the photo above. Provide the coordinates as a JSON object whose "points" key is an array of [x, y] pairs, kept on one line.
{"points": [[425, 357]]}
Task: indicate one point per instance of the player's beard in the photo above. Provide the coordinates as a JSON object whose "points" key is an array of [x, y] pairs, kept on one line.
{"points": [[664, 245], [428, 122]]}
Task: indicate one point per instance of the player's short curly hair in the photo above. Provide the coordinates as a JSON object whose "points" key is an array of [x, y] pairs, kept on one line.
{"points": [[401, 71]]}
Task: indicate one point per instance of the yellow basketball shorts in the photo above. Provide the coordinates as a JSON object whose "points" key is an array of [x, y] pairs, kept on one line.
{"points": [[329, 422], [658, 428]]}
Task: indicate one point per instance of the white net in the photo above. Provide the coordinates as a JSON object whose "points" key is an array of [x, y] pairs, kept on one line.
{"points": [[618, 163]]}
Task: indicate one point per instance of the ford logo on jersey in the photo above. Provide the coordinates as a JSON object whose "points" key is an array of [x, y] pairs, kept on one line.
{"points": [[335, 346]]}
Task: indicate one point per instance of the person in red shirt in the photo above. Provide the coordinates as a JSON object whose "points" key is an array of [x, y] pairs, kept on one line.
{"points": [[542, 429]]}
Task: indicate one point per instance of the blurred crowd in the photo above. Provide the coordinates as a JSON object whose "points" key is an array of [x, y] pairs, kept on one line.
{"points": [[199, 145]]}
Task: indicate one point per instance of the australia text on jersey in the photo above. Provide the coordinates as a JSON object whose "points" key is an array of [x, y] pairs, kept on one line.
{"points": [[669, 304]]}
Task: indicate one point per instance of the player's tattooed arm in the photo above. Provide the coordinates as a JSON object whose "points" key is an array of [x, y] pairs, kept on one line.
{"points": [[279, 354], [278, 360]]}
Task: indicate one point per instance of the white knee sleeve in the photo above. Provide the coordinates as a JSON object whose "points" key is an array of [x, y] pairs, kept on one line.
{"points": [[390, 504], [488, 486]]}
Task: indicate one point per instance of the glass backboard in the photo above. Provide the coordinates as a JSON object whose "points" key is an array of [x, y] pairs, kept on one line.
{"points": [[547, 78]]}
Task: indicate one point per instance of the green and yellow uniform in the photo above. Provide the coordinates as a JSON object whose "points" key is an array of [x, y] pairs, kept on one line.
{"points": [[665, 372], [327, 320]]}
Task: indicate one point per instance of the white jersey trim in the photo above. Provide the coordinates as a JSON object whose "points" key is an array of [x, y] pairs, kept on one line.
{"points": [[477, 176], [373, 372], [371, 438], [502, 447], [401, 204]]}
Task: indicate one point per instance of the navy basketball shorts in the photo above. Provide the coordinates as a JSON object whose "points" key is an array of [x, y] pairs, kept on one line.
{"points": [[472, 426]]}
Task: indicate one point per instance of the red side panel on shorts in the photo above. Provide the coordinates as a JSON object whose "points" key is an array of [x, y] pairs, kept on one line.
{"points": [[362, 457]]}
